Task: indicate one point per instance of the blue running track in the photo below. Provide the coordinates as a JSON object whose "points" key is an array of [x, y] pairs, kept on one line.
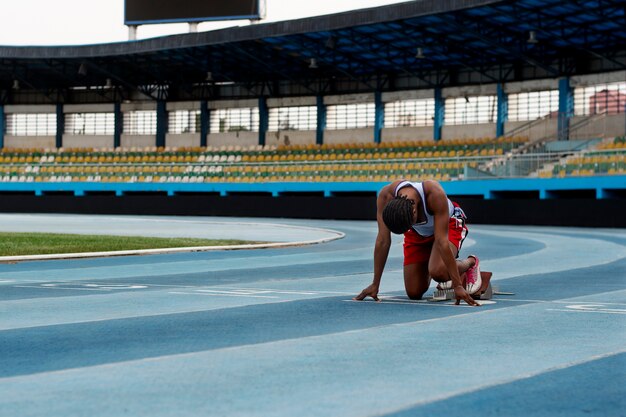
{"points": [[274, 332]]}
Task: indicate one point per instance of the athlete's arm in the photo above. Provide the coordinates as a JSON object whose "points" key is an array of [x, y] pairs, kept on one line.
{"points": [[438, 204], [383, 243]]}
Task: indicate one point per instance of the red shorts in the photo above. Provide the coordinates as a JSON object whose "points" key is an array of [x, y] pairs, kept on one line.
{"points": [[417, 248]]}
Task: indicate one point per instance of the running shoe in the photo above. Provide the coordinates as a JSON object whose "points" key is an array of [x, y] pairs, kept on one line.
{"points": [[444, 285], [473, 280]]}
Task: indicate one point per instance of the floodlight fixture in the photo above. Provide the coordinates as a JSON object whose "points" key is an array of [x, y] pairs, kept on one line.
{"points": [[82, 69], [330, 42]]}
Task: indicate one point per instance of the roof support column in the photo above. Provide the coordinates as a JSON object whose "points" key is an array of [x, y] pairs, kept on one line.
{"points": [[440, 107], [379, 116], [118, 124], [161, 123], [204, 122], [264, 116], [60, 126], [2, 126], [503, 110], [321, 120], [566, 108]]}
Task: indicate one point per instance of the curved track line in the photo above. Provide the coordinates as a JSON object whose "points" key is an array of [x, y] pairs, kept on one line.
{"points": [[561, 253], [337, 235]]}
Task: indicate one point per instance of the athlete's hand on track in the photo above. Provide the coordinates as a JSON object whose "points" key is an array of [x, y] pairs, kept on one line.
{"points": [[371, 291], [461, 294]]}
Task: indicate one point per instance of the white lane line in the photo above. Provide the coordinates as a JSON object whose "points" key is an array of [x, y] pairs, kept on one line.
{"points": [[84, 286], [589, 308], [221, 294], [242, 347], [558, 301], [205, 267], [556, 256], [587, 311], [134, 316], [422, 302], [39, 287], [191, 266], [250, 292], [477, 312], [303, 292], [566, 231]]}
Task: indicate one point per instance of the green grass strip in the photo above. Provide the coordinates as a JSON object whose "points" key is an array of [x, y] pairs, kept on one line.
{"points": [[15, 244]]}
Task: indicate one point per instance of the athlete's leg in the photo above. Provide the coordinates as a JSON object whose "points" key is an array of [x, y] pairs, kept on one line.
{"points": [[457, 231], [437, 269], [416, 279], [416, 254]]}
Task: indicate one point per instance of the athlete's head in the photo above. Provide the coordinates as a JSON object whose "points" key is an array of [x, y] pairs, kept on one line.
{"points": [[398, 214]]}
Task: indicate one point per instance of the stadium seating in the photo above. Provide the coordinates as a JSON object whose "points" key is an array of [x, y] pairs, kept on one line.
{"points": [[608, 158], [443, 160]]}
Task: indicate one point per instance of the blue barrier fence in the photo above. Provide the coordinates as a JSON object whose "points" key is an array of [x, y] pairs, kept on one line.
{"points": [[602, 187]]}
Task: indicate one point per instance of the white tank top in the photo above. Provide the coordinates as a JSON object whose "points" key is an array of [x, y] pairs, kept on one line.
{"points": [[428, 227]]}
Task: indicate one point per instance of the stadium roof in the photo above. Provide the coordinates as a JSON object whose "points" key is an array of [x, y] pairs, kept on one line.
{"points": [[416, 44]]}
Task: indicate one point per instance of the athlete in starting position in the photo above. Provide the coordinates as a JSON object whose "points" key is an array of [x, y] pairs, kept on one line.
{"points": [[434, 229]]}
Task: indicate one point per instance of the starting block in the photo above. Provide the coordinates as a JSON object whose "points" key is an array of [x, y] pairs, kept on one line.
{"points": [[485, 292]]}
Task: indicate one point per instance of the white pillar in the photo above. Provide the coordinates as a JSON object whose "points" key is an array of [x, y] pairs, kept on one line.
{"points": [[132, 32]]}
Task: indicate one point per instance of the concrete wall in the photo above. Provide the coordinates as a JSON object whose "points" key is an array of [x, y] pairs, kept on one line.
{"points": [[182, 140], [138, 106], [89, 108], [604, 127], [539, 130], [332, 137], [291, 137], [406, 134], [25, 142], [233, 138], [291, 101], [137, 141], [87, 141], [487, 130], [591, 79], [30, 108], [182, 105], [349, 99], [230, 104]]}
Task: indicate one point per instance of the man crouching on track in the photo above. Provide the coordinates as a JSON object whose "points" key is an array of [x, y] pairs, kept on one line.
{"points": [[434, 229]]}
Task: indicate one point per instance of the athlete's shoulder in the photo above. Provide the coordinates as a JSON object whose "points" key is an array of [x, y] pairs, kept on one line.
{"points": [[390, 189], [432, 186], [436, 197], [388, 192]]}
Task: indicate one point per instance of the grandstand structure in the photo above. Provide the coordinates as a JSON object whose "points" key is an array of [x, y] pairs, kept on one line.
{"points": [[518, 103]]}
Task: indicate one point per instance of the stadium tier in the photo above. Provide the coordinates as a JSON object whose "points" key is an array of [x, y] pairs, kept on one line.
{"points": [[444, 161], [309, 117], [608, 158]]}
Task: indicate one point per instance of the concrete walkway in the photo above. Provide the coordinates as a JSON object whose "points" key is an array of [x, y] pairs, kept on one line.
{"points": [[273, 235]]}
